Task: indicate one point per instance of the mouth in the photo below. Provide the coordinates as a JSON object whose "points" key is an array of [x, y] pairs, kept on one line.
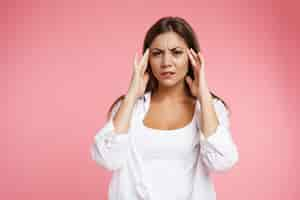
{"points": [[167, 74]]}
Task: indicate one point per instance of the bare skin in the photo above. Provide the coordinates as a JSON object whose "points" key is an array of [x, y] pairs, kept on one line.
{"points": [[167, 53], [160, 116], [170, 107]]}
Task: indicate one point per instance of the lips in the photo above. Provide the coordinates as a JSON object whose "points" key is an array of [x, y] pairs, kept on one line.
{"points": [[167, 73]]}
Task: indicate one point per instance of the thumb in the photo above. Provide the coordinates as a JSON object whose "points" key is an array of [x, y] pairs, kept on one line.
{"points": [[146, 77], [189, 81]]}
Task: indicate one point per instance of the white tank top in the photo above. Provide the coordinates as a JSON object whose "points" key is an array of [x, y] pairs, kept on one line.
{"points": [[169, 159]]}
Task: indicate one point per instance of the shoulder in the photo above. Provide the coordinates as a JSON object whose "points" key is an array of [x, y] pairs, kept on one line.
{"points": [[138, 105], [218, 105]]}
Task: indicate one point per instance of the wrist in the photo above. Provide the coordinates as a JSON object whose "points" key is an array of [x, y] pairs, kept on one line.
{"points": [[130, 96]]}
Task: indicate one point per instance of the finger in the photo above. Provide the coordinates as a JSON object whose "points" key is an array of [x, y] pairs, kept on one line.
{"points": [[195, 56], [146, 77], [146, 61], [191, 58], [201, 59], [135, 59], [144, 58], [195, 68]]}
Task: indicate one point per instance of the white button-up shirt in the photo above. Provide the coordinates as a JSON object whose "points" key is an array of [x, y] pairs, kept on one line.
{"points": [[153, 164]]}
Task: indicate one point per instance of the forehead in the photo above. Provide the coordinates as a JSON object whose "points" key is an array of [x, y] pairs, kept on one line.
{"points": [[168, 40]]}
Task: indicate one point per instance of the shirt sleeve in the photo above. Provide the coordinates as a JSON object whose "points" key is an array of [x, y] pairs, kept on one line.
{"points": [[218, 151], [110, 149]]}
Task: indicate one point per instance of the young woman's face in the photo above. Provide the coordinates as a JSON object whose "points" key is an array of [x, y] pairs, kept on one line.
{"points": [[168, 53]]}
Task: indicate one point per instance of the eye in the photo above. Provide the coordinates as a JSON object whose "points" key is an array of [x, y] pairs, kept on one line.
{"points": [[178, 52], [155, 53]]}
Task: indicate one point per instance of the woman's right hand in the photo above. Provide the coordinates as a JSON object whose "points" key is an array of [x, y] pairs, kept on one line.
{"points": [[139, 78]]}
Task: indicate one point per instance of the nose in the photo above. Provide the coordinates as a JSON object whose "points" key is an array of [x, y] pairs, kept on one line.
{"points": [[166, 60]]}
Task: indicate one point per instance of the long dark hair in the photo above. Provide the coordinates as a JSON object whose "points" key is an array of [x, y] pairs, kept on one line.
{"points": [[182, 28]]}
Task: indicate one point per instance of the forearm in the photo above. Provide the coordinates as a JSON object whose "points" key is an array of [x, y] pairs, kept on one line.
{"points": [[208, 117], [218, 150], [123, 116]]}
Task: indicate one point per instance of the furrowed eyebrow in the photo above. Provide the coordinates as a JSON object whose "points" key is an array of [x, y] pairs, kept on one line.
{"points": [[163, 50]]}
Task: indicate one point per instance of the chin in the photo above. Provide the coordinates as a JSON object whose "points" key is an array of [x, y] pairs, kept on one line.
{"points": [[168, 82]]}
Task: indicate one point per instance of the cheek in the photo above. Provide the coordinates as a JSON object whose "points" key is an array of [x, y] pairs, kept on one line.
{"points": [[155, 64], [182, 65], [154, 61], [184, 60]]}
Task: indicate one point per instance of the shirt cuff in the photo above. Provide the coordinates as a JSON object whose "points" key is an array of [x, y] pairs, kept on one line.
{"points": [[110, 136], [211, 143]]}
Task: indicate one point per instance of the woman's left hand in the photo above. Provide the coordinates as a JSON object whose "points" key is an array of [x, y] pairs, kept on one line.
{"points": [[198, 86]]}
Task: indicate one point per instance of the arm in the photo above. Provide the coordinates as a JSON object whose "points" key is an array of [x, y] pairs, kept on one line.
{"points": [[110, 147], [111, 144], [217, 148]]}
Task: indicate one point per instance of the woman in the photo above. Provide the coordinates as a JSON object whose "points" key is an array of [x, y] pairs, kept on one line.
{"points": [[166, 135]]}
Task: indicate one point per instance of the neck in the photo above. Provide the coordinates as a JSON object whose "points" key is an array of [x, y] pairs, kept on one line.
{"points": [[171, 94]]}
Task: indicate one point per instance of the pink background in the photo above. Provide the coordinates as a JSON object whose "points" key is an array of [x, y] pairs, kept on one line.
{"points": [[63, 63]]}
